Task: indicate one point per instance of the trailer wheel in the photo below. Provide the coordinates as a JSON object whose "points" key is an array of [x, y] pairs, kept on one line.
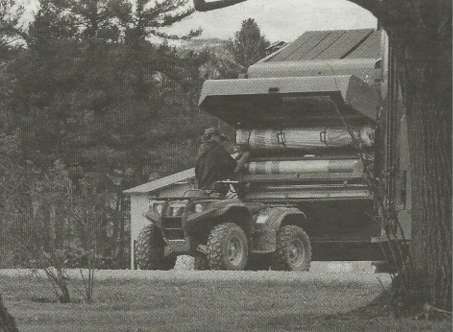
{"points": [[227, 247], [149, 251], [293, 250]]}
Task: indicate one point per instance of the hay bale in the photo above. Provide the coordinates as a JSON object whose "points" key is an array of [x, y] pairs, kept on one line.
{"points": [[303, 138], [348, 167]]}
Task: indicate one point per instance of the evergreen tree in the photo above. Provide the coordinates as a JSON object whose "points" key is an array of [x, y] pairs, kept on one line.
{"points": [[248, 45], [94, 95]]}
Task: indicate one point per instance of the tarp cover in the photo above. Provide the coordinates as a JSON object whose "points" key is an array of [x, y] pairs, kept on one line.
{"points": [[302, 138]]}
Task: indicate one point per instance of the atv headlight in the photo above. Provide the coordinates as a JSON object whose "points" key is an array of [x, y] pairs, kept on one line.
{"points": [[176, 211], [262, 216], [199, 207]]}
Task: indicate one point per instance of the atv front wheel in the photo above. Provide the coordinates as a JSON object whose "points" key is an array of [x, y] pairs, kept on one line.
{"points": [[293, 250], [227, 247], [149, 251]]}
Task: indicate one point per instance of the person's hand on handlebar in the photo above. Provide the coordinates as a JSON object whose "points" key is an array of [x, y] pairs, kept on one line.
{"points": [[242, 158]]}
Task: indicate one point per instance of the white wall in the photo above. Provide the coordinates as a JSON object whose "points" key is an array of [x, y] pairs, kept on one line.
{"points": [[139, 205]]}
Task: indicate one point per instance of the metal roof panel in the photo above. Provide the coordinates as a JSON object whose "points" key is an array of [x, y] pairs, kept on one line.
{"points": [[344, 44], [323, 45], [300, 46], [333, 44], [369, 48]]}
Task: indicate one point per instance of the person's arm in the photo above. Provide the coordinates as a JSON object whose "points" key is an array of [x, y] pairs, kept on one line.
{"points": [[241, 161]]}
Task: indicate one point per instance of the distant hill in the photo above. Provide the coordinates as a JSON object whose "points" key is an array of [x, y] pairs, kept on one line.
{"points": [[204, 43]]}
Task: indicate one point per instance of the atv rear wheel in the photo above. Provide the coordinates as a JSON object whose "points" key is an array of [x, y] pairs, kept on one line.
{"points": [[227, 247], [149, 251], [293, 250]]}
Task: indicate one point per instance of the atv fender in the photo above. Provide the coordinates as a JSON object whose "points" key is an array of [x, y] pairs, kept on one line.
{"points": [[226, 210], [265, 234]]}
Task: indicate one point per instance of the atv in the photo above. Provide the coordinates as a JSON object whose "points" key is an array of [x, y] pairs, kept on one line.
{"points": [[223, 234]]}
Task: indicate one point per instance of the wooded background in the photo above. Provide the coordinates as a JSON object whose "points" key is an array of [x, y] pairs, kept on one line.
{"points": [[95, 99]]}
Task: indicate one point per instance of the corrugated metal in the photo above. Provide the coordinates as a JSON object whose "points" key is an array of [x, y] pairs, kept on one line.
{"points": [[312, 45], [344, 44], [369, 48], [300, 46], [335, 44], [323, 45], [162, 182]]}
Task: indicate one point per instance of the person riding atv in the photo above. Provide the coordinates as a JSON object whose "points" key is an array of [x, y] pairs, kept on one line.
{"points": [[215, 162], [214, 225]]}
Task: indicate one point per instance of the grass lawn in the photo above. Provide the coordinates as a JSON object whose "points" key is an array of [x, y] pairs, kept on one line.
{"points": [[163, 303]]}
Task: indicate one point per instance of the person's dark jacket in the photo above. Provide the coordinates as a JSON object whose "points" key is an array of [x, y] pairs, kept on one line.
{"points": [[214, 163]]}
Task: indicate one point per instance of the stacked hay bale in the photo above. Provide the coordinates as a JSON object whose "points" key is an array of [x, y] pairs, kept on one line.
{"points": [[303, 138], [300, 155]]}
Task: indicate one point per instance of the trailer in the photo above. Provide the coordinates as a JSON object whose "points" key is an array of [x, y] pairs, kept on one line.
{"points": [[320, 130]]}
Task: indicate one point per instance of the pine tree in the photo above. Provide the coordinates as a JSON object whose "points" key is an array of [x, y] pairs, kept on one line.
{"points": [[92, 92], [248, 45]]}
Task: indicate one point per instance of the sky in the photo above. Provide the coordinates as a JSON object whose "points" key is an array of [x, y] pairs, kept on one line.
{"points": [[279, 19]]}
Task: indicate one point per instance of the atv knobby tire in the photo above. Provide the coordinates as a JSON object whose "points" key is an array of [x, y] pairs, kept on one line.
{"points": [[293, 250], [227, 247], [149, 251]]}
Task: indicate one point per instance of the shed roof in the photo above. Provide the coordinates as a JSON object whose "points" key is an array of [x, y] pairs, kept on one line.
{"points": [[163, 182], [333, 44]]}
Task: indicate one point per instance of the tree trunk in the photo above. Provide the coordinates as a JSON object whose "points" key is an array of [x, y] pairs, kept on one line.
{"points": [[424, 58], [7, 323]]}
